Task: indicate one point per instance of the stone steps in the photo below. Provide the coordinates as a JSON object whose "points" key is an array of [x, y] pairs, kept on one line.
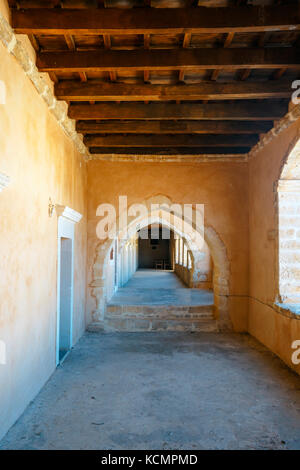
{"points": [[133, 318], [161, 311], [157, 324]]}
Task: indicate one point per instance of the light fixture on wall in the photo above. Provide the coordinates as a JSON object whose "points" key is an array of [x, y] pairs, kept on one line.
{"points": [[51, 207]]}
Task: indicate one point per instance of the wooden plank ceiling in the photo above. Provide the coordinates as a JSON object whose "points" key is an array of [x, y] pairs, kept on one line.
{"points": [[167, 77]]}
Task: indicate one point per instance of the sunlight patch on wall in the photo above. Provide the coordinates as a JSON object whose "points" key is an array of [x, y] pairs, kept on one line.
{"points": [[2, 92]]}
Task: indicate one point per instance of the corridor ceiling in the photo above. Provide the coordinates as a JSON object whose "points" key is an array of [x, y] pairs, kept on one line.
{"points": [[167, 77]]}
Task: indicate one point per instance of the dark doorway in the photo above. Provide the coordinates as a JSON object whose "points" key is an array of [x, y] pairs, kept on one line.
{"points": [[155, 248]]}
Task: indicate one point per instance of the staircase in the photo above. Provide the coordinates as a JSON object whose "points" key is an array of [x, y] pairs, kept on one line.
{"points": [[133, 318], [158, 301]]}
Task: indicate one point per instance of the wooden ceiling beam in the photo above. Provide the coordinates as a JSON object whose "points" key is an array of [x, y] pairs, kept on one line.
{"points": [[102, 91], [169, 150], [181, 59], [244, 74], [53, 77], [183, 140], [227, 43], [157, 20], [239, 110], [279, 73], [70, 42], [83, 78], [107, 41], [263, 39], [107, 45], [34, 3], [34, 42], [174, 127], [146, 46], [186, 42]]}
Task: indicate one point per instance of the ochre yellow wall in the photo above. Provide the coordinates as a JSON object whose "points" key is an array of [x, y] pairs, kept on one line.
{"points": [[222, 187], [272, 328], [41, 162]]}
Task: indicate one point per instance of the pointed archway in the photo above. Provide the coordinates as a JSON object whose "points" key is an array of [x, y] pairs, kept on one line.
{"points": [[165, 213]]}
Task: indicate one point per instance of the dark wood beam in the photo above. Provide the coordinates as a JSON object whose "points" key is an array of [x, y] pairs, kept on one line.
{"points": [[70, 42], [168, 140], [146, 46], [34, 42], [264, 37], [174, 127], [82, 76], [278, 73], [227, 43], [34, 3], [53, 77], [169, 151], [244, 74], [103, 91], [156, 20], [107, 45], [238, 110], [186, 42], [163, 59]]}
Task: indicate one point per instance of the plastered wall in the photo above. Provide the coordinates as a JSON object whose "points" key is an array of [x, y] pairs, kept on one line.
{"points": [[276, 330], [221, 187], [41, 162]]}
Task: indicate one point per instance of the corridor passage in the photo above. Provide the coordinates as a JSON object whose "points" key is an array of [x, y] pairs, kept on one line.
{"points": [[158, 300], [156, 287], [164, 391]]}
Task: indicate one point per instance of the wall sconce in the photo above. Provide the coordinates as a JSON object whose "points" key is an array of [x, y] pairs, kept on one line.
{"points": [[51, 207]]}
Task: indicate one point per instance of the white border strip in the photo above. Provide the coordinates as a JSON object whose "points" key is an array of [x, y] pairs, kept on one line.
{"points": [[4, 181]]}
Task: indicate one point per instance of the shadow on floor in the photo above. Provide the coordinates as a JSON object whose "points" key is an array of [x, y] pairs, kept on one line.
{"points": [[164, 391]]}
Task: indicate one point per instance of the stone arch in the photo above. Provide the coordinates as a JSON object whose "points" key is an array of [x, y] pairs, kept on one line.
{"points": [[192, 238], [288, 227]]}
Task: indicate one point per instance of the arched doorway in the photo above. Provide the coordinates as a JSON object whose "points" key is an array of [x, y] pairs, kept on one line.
{"points": [[106, 272], [288, 252]]}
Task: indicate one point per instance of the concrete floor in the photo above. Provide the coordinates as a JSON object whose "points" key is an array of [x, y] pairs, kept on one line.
{"points": [[164, 391], [154, 287], [156, 278]]}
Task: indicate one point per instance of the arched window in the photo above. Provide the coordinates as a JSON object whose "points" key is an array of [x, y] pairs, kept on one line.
{"points": [[289, 240], [289, 228]]}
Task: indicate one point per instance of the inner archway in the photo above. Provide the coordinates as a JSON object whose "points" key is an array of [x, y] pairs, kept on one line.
{"points": [[156, 288], [155, 248], [108, 276]]}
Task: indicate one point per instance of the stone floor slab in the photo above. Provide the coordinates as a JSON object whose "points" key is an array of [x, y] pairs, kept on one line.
{"points": [[164, 391], [151, 287]]}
